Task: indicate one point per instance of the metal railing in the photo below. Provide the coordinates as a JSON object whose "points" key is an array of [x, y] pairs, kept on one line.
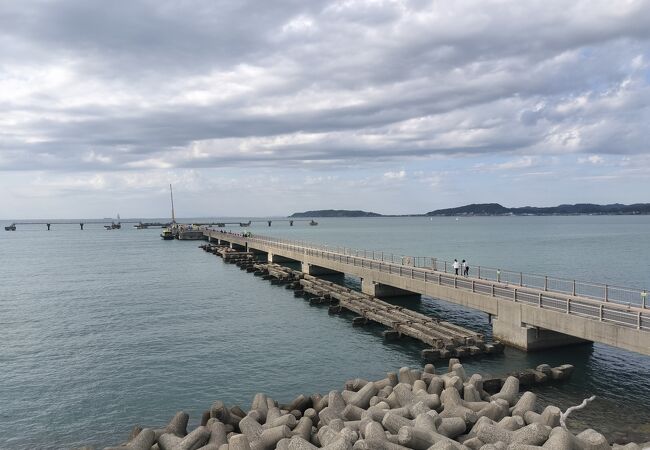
{"points": [[571, 297]]}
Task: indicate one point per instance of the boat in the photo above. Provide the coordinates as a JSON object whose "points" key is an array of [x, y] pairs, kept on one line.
{"points": [[171, 231], [167, 234], [11, 227], [245, 224], [313, 223], [113, 226], [141, 226]]}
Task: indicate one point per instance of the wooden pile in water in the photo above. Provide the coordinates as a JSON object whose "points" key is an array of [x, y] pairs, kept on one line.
{"points": [[412, 409]]}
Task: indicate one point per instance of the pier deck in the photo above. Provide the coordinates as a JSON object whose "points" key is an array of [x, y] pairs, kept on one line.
{"points": [[523, 315]]}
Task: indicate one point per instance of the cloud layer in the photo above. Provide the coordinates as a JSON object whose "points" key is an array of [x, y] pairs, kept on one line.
{"points": [[141, 86]]}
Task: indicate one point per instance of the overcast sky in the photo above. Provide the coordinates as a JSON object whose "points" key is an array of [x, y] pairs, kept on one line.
{"points": [[271, 107]]}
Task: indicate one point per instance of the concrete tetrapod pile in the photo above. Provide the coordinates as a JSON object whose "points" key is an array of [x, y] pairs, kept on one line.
{"points": [[413, 409]]}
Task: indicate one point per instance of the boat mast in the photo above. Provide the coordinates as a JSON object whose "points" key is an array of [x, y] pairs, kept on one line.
{"points": [[171, 193]]}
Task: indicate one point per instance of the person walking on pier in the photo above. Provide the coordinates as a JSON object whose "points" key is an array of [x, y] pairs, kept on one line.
{"points": [[463, 264], [456, 266], [465, 268]]}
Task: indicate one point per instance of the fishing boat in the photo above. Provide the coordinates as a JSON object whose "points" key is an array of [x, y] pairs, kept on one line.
{"points": [[245, 224], [113, 226], [313, 223], [11, 227], [141, 226]]}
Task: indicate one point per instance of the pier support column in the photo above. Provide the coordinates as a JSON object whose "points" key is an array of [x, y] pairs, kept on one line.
{"points": [[278, 258], [508, 328], [376, 289], [312, 269]]}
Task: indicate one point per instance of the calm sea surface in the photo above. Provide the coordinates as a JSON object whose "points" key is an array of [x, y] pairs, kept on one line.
{"points": [[101, 330]]}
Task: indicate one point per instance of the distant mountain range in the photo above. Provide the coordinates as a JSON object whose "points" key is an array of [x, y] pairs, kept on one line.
{"points": [[495, 209], [335, 213]]}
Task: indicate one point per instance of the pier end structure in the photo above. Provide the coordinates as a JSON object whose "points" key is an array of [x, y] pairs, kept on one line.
{"points": [[525, 318]]}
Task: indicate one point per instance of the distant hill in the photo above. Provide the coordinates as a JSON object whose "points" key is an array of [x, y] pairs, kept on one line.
{"points": [[475, 209], [335, 213], [495, 209]]}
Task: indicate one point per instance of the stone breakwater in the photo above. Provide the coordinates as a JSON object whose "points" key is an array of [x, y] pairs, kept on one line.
{"points": [[412, 409]]}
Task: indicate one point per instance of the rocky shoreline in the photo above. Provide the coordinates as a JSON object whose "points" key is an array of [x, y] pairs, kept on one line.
{"points": [[412, 409]]}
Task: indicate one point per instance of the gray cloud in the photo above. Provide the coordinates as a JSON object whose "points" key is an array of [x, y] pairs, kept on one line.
{"points": [[136, 85]]}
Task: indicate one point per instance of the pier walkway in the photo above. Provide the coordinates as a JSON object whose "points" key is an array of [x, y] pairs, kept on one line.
{"points": [[82, 223], [530, 312]]}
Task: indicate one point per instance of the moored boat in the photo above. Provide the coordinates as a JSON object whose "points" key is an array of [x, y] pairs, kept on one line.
{"points": [[171, 231], [11, 227], [167, 234]]}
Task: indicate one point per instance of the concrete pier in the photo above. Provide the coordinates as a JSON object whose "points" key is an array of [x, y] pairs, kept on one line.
{"points": [[512, 331], [275, 258], [312, 269], [384, 290], [524, 317]]}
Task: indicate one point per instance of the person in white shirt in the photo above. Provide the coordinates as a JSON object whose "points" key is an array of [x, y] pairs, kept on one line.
{"points": [[456, 266], [463, 265]]}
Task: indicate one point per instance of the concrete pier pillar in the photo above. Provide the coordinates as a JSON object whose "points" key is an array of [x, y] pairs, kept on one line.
{"points": [[312, 269], [240, 248], [272, 258], [376, 289], [508, 328]]}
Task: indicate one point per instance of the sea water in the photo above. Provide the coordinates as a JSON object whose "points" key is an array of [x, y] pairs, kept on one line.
{"points": [[101, 330]]}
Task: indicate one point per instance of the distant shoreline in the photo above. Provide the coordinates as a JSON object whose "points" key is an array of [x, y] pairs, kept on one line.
{"points": [[497, 210]]}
